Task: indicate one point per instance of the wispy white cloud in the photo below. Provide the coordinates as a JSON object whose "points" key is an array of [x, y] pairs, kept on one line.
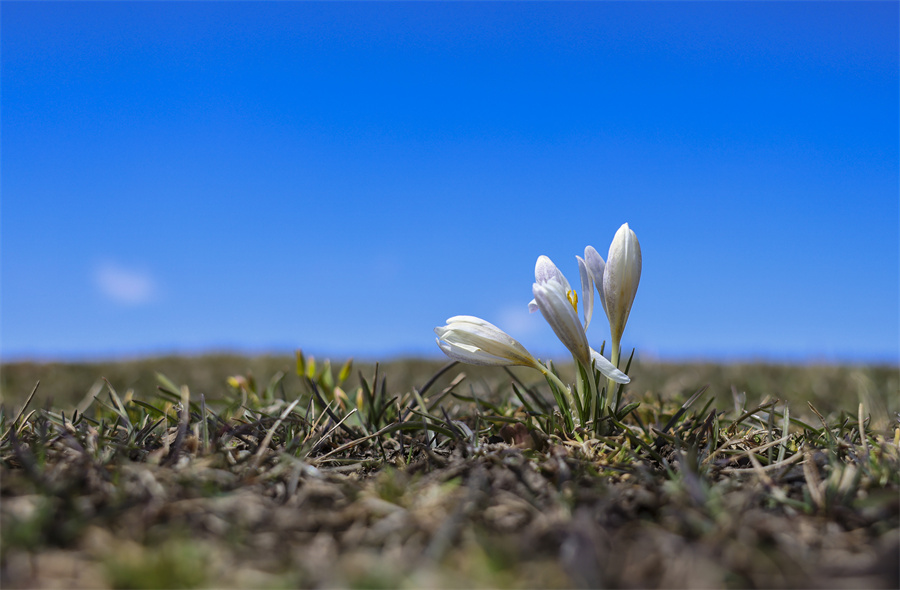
{"points": [[126, 286]]}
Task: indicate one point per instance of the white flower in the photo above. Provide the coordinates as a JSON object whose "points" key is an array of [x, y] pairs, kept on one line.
{"points": [[620, 279], [474, 341], [558, 304], [617, 279]]}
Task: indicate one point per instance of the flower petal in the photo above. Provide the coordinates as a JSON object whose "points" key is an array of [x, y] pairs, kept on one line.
{"points": [[596, 266], [475, 341], [620, 279], [545, 270], [470, 355], [608, 369], [558, 311], [587, 291]]}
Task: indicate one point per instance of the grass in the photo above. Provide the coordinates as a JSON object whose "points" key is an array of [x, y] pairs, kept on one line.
{"points": [[186, 473]]}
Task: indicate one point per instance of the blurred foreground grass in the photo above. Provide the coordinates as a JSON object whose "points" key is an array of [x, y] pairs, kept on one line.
{"points": [[245, 472]]}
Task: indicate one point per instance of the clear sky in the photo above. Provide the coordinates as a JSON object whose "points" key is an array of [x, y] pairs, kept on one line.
{"points": [[343, 177]]}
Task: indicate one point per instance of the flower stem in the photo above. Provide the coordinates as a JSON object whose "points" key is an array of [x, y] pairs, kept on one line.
{"points": [[610, 384], [589, 373], [570, 400]]}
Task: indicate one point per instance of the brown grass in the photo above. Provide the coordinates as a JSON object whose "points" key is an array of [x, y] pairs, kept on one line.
{"points": [[258, 484]]}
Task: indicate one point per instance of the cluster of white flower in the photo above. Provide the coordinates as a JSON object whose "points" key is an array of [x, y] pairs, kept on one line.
{"points": [[475, 341]]}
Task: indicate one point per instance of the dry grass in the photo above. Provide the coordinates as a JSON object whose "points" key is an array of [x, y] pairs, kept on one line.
{"points": [[399, 479]]}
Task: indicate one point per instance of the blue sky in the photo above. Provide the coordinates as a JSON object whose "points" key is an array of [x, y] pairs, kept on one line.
{"points": [[343, 177]]}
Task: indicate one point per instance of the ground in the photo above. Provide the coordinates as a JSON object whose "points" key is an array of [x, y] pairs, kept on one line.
{"points": [[419, 475]]}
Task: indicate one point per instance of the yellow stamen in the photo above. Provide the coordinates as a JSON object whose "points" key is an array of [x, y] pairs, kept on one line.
{"points": [[572, 296]]}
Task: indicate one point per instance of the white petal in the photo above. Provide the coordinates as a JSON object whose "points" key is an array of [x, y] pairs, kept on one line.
{"points": [[466, 355], [621, 278], [470, 319], [476, 341], [587, 291], [608, 369], [596, 266], [545, 270], [559, 313]]}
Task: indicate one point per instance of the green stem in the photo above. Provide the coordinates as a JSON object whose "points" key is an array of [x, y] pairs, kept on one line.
{"points": [[565, 388], [610, 384], [589, 373]]}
